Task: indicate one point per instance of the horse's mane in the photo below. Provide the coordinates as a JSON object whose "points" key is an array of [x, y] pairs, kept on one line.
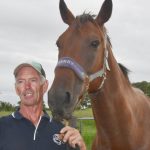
{"points": [[124, 70]]}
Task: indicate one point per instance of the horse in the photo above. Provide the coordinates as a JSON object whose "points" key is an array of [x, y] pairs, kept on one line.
{"points": [[86, 63]]}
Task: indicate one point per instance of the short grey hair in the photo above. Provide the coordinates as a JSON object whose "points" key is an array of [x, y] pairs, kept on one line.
{"points": [[43, 79]]}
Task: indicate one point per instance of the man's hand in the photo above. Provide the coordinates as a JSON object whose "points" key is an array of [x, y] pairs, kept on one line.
{"points": [[73, 137]]}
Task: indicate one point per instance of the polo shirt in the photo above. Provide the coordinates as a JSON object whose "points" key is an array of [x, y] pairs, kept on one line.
{"points": [[18, 133]]}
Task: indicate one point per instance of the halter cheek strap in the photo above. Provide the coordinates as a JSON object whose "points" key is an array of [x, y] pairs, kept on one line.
{"points": [[101, 72]]}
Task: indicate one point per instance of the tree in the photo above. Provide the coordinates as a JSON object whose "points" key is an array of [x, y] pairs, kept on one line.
{"points": [[144, 86], [86, 102], [6, 106]]}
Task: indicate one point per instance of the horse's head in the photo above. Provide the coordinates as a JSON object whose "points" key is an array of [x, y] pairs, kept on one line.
{"points": [[82, 59]]}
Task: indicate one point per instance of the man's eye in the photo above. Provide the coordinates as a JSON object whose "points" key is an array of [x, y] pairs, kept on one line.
{"points": [[20, 81], [33, 80]]}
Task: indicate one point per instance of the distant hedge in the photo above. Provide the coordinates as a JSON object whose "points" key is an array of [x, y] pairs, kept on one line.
{"points": [[6, 106], [144, 86]]}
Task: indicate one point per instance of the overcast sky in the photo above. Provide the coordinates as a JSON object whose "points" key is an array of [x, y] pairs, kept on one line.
{"points": [[29, 29]]}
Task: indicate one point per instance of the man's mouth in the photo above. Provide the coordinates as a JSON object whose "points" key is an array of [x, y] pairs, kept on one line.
{"points": [[28, 93]]}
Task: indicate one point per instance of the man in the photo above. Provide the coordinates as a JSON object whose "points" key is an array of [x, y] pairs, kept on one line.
{"points": [[30, 128]]}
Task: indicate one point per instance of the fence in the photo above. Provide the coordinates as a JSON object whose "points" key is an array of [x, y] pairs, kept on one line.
{"points": [[86, 125], [81, 120]]}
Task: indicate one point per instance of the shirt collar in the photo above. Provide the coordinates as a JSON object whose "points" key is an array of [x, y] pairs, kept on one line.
{"points": [[18, 115]]}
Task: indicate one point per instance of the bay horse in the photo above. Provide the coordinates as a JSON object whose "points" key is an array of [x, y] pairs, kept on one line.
{"points": [[86, 63]]}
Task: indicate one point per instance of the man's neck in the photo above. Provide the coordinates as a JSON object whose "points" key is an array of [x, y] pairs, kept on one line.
{"points": [[31, 113]]}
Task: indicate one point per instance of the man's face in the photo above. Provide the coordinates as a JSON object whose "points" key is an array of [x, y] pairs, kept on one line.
{"points": [[29, 86]]}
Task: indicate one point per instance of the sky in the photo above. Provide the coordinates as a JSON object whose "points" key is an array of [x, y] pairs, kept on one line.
{"points": [[29, 30]]}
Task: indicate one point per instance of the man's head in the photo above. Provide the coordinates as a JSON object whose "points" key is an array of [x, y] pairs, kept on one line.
{"points": [[35, 65], [31, 83]]}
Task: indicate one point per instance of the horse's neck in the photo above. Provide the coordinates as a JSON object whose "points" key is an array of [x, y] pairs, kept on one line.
{"points": [[116, 83], [110, 107]]}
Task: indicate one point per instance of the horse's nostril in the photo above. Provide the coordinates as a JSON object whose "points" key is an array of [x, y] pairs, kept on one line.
{"points": [[68, 98]]}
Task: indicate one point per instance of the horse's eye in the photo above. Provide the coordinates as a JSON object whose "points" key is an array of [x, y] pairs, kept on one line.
{"points": [[95, 43]]}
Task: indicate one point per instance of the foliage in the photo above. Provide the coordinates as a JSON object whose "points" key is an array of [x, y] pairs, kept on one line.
{"points": [[6, 106], [86, 102], [144, 86]]}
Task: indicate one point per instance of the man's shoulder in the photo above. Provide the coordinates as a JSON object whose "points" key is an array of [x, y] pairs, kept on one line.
{"points": [[5, 119]]}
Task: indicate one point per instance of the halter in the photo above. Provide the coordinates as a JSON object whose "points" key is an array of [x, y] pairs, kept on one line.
{"points": [[70, 63]]}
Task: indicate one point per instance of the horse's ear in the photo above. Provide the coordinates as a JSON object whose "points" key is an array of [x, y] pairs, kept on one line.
{"points": [[66, 14], [105, 12]]}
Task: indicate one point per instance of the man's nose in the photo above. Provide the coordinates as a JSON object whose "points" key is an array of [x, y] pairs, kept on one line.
{"points": [[27, 85]]}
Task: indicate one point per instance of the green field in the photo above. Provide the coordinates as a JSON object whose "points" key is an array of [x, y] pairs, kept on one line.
{"points": [[86, 127], [4, 113]]}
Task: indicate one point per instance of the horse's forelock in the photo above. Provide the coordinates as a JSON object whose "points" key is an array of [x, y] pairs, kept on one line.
{"points": [[85, 17]]}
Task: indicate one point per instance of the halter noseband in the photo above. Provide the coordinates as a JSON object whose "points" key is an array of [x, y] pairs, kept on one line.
{"points": [[70, 63]]}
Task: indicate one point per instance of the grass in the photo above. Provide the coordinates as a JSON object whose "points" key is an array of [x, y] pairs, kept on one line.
{"points": [[83, 113], [86, 127], [4, 113]]}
